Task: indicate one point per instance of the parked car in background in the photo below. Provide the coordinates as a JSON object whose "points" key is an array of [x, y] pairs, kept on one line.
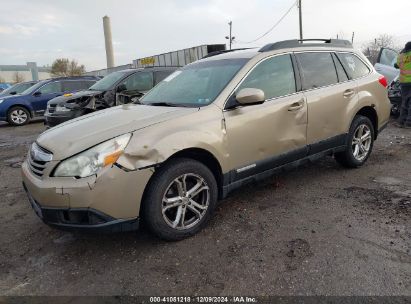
{"points": [[19, 109], [205, 130], [394, 94], [385, 64], [116, 88], [4, 86], [17, 88]]}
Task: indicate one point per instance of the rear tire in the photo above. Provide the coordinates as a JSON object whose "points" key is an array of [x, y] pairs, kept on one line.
{"points": [[360, 142], [180, 199], [18, 116], [395, 110]]}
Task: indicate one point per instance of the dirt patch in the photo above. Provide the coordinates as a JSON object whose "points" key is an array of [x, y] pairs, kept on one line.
{"points": [[299, 250], [381, 199]]}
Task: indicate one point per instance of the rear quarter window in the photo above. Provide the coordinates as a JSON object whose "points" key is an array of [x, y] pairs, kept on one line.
{"points": [[354, 66]]}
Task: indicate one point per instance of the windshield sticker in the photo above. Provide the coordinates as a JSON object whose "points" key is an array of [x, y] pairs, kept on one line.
{"points": [[351, 63], [172, 76]]}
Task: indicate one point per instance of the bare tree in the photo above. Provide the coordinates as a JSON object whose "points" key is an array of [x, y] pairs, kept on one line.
{"points": [[372, 48], [65, 67], [17, 77]]}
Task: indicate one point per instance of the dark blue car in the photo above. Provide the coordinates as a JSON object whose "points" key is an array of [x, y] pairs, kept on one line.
{"points": [[4, 86], [17, 88], [19, 109]]}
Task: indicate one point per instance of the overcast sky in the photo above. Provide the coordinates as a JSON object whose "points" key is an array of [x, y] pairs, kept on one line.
{"points": [[42, 30]]}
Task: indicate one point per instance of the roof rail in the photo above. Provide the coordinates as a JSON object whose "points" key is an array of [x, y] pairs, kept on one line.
{"points": [[303, 43], [223, 52]]}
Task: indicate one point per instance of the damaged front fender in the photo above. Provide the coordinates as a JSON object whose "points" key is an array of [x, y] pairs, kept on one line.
{"points": [[153, 146]]}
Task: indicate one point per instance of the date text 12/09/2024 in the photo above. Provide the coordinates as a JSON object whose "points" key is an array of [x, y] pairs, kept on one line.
{"points": [[199, 299]]}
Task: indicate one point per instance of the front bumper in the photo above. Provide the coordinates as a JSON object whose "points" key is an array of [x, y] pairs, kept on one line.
{"points": [[86, 219], [54, 119], [109, 201]]}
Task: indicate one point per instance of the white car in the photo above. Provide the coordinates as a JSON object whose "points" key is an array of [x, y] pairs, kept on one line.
{"points": [[385, 64]]}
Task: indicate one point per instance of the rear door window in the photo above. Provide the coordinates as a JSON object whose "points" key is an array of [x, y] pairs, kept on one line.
{"points": [[76, 85], [161, 75], [274, 76], [88, 83], [140, 81], [317, 70], [353, 65]]}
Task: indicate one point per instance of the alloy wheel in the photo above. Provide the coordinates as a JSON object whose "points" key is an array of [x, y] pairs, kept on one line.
{"points": [[185, 201], [361, 142], [18, 116]]}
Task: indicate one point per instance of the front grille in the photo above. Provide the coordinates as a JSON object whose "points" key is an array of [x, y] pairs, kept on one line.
{"points": [[37, 167], [37, 159]]}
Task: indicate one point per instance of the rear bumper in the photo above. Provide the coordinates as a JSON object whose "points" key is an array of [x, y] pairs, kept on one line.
{"points": [[395, 99], [84, 219]]}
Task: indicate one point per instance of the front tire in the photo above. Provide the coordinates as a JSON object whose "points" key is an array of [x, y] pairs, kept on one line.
{"points": [[360, 142], [18, 116], [180, 199]]}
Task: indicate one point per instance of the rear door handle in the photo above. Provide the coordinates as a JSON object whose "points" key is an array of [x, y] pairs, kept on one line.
{"points": [[296, 105]]}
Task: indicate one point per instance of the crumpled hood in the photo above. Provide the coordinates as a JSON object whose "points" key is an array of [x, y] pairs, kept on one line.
{"points": [[73, 96], [87, 131]]}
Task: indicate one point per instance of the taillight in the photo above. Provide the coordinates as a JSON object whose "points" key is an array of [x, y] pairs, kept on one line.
{"points": [[383, 81]]}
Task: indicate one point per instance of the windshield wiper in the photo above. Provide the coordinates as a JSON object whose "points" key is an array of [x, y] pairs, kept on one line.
{"points": [[165, 104]]}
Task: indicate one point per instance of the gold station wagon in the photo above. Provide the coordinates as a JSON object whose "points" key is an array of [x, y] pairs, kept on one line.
{"points": [[208, 128]]}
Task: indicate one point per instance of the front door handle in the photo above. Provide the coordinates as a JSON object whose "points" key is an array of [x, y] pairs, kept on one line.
{"points": [[348, 93], [296, 105]]}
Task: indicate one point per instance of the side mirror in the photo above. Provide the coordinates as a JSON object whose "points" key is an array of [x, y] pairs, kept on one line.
{"points": [[121, 88], [396, 66], [38, 93], [250, 96]]}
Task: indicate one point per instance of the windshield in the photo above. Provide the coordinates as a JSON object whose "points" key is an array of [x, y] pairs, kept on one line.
{"points": [[34, 87], [107, 82], [195, 85], [18, 88]]}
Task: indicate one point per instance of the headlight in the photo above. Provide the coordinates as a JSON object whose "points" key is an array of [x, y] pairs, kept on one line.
{"points": [[91, 161], [61, 109], [1, 100]]}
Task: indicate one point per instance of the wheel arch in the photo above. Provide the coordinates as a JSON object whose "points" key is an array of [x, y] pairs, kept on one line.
{"points": [[21, 106], [198, 154], [207, 159], [371, 114]]}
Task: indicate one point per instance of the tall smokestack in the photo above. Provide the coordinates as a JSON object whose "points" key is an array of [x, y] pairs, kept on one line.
{"points": [[109, 42]]}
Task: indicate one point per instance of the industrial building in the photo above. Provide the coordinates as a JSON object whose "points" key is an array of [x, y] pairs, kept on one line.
{"points": [[30, 71], [170, 59]]}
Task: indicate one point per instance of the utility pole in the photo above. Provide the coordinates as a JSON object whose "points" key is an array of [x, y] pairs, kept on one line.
{"points": [[230, 38], [300, 13], [352, 38]]}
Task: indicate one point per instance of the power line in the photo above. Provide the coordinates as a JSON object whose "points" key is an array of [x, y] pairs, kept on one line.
{"points": [[273, 27]]}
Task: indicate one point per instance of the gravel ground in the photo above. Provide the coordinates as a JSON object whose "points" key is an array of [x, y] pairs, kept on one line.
{"points": [[318, 230]]}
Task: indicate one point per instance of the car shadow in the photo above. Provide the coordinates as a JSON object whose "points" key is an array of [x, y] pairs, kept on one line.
{"points": [[6, 125]]}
